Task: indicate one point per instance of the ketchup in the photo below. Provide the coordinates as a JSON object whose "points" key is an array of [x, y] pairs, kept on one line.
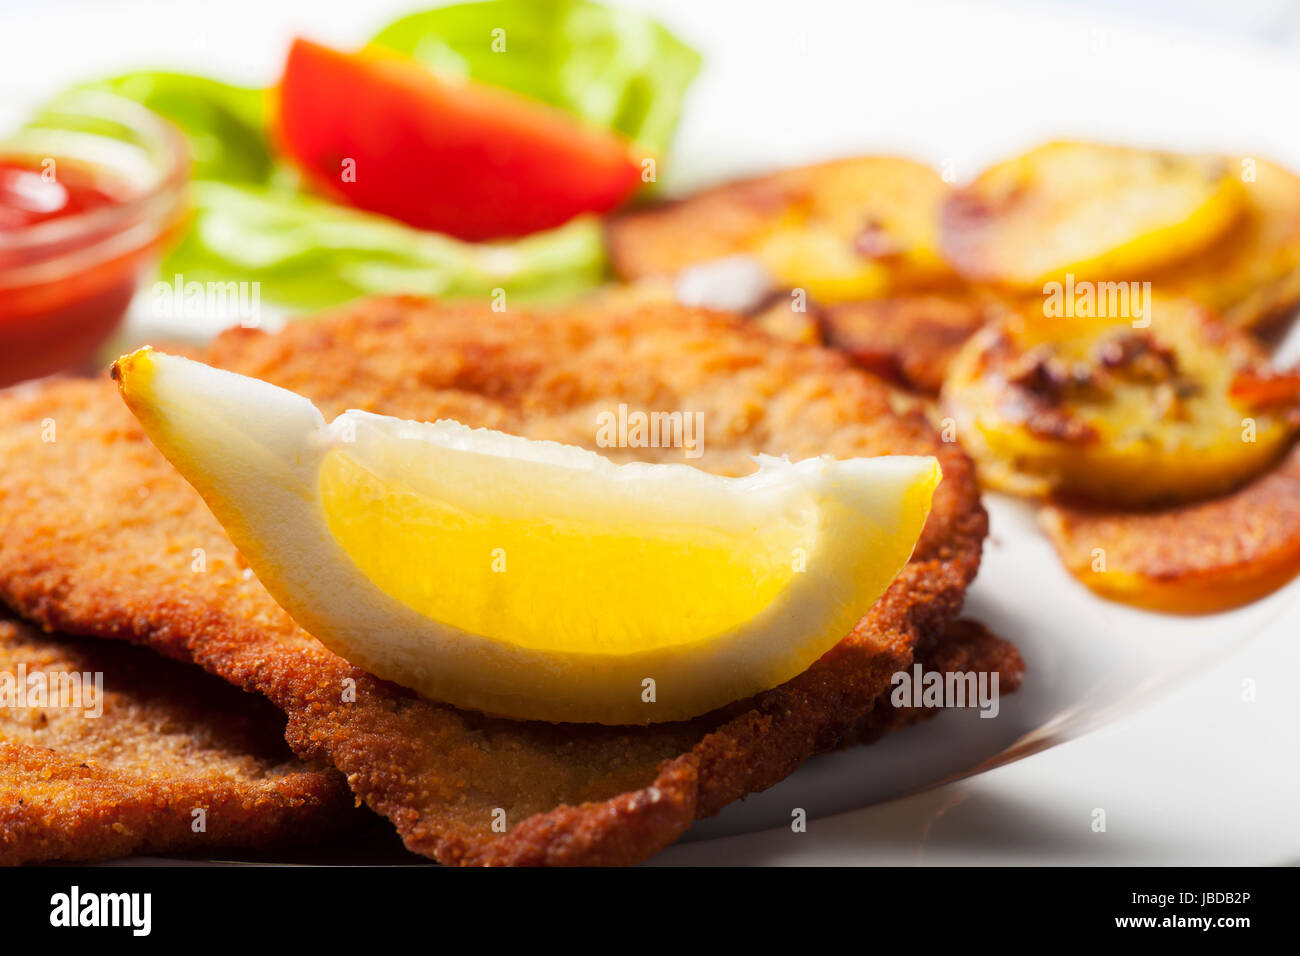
{"points": [[61, 296], [31, 195]]}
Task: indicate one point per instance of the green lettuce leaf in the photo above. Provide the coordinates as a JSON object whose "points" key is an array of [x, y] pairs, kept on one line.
{"points": [[253, 221], [309, 253], [616, 68], [226, 125]]}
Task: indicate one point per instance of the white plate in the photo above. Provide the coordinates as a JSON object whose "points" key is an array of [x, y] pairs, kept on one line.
{"points": [[961, 85], [1205, 776], [954, 84]]}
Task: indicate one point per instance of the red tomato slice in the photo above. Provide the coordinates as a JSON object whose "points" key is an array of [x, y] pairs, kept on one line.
{"points": [[450, 155]]}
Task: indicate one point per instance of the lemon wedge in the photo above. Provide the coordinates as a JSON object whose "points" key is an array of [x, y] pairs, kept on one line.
{"points": [[531, 579]]}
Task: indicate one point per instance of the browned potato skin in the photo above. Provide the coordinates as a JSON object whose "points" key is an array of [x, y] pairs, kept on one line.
{"points": [[909, 340], [1088, 408], [1080, 208], [662, 240], [1192, 559], [731, 218]]}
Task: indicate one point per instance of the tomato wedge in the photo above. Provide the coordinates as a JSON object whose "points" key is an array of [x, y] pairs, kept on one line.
{"points": [[446, 154]]}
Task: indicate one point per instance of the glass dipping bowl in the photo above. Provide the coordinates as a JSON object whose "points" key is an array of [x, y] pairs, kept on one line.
{"points": [[66, 282]]}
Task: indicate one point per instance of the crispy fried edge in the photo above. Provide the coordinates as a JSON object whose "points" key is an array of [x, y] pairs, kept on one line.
{"points": [[57, 807], [375, 746], [958, 646], [103, 814]]}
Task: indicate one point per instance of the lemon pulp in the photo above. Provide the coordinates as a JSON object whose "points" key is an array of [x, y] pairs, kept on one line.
{"points": [[555, 583], [525, 578]]}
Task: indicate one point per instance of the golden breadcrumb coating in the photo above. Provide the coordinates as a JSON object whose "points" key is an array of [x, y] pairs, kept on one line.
{"points": [[90, 774], [101, 533]]}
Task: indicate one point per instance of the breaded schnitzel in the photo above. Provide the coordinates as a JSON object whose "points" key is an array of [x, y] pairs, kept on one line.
{"points": [[961, 646], [161, 741], [100, 533], [908, 339]]}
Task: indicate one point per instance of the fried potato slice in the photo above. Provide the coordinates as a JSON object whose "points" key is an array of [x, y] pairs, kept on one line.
{"points": [[910, 340], [1251, 277], [1099, 409], [161, 740], [1095, 211], [1196, 558], [100, 531], [848, 229]]}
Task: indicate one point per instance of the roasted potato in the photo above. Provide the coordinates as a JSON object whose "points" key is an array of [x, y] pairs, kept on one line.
{"points": [[849, 229], [1097, 408], [1252, 275], [1207, 556], [1091, 210], [910, 339]]}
